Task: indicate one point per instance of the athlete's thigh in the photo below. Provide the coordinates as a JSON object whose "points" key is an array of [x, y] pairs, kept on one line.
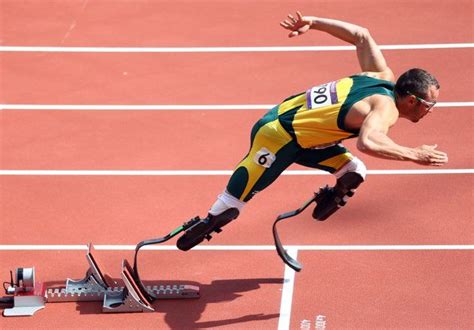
{"points": [[329, 159], [271, 152]]}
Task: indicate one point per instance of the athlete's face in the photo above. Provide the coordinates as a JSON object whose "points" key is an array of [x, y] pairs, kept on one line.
{"points": [[420, 107]]}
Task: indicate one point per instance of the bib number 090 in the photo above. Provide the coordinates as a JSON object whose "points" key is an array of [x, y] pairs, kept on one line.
{"points": [[322, 95]]}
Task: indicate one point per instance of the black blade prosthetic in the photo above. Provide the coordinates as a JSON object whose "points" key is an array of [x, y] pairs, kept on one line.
{"points": [[287, 259]]}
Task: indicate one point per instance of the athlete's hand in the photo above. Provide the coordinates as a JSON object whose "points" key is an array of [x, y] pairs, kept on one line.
{"points": [[298, 25], [428, 155]]}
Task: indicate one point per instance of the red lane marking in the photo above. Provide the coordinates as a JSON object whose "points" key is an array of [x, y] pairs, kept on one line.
{"points": [[249, 23], [197, 140], [399, 209], [242, 78], [249, 288], [380, 289]]}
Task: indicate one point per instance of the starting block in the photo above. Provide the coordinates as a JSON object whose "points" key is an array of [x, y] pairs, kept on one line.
{"points": [[30, 296]]}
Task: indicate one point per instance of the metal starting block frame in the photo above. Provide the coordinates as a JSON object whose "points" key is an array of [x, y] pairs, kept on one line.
{"points": [[96, 286]]}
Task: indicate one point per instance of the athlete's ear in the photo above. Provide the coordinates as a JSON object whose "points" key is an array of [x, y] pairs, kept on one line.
{"points": [[407, 99], [411, 99]]}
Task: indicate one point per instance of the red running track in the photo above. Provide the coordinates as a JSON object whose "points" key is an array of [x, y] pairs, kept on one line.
{"points": [[241, 289], [102, 78], [395, 209], [228, 23], [206, 140]]}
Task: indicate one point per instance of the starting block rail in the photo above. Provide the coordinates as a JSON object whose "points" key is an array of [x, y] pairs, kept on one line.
{"points": [[30, 297], [53, 295]]}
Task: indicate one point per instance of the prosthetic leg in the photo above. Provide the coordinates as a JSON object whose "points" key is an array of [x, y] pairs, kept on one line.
{"points": [[203, 228], [328, 200], [331, 199]]}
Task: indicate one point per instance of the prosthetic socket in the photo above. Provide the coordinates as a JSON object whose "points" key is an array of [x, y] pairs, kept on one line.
{"points": [[330, 199], [203, 229]]}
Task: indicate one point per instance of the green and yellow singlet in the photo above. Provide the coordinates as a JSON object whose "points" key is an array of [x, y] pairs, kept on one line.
{"points": [[316, 117]]}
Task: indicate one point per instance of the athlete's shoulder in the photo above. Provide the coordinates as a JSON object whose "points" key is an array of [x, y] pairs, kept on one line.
{"points": [[384, 75], [385, 107], [373, 84]]}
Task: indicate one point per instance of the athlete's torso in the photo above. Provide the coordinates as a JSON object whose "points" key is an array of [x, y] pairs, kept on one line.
{"points": [[316, 118]]}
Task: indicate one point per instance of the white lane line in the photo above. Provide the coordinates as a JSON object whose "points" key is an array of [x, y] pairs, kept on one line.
{"points": [[151, 107], [287, 294], [223, 49], [214, 172], [163, 107], [39, 247]]}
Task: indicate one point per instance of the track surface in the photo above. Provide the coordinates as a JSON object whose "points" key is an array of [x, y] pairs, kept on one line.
{"points": [[371, 283]]}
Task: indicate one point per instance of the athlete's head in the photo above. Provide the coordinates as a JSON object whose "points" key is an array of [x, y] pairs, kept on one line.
{"points": [[416, 92]]}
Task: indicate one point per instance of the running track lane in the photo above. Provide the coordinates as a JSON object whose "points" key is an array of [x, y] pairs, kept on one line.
{"points": [[347, 289], [390, 209], [385, 289], [187, 140], [229, 23], [206, 78]]}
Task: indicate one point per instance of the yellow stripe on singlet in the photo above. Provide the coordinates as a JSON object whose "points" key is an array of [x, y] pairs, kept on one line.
{"points": [[318, 126], [299, 100]]}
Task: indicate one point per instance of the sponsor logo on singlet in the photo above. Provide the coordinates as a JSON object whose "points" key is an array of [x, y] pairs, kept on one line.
{"points": [[322, 95]]}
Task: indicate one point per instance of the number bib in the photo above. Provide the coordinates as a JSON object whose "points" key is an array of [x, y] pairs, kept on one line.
{"points": [[322, 95], [264, 158]]}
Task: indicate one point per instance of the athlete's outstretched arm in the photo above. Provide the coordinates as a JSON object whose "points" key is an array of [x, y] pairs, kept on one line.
{"points": [[373, 140], [369, 54]]}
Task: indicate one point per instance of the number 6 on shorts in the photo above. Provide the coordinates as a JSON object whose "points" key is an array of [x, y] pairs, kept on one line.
{"points": [[264, 158]]}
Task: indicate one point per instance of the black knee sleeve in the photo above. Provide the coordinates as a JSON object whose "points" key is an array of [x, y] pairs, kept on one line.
{"points": [[330, 199]]}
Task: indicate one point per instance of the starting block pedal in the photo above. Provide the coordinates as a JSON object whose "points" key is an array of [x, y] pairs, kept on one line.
{"points": [[134, 297], [130, 299], [94, 279], [30, 297], [92, 287]]}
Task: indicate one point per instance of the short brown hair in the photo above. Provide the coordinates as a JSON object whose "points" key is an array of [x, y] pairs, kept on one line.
{"points": [[415, 81]]}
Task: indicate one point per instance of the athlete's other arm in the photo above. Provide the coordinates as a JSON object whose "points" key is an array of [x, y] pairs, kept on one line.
{"points": [[373, 139], [369, 54]]}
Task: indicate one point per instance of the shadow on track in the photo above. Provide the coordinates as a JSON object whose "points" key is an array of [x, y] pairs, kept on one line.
{"points": [[186, 313], [216, 292]]}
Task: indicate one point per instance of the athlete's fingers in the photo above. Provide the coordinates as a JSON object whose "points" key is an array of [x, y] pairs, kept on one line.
{"points": [[285, 25], [437, 152], [441, 159], [288, 23], [440, 154], [438, 159], [300, 17], [292, 18], [438, 163], [435, 164]]}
